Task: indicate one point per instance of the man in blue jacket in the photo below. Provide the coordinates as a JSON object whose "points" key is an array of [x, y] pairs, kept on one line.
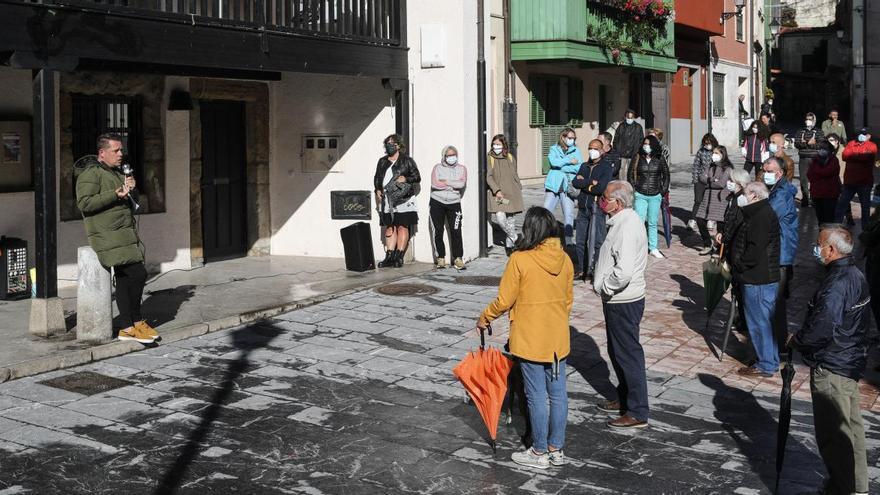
{"points": [[782, 195], [834, 344]]}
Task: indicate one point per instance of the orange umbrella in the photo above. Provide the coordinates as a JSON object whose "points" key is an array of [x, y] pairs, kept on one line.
{"points": [[484, 375]]}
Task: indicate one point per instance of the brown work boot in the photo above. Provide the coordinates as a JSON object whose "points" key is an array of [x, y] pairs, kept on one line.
{"points": [[610, 406], [627, 421], [147, 330], [136, 334]]}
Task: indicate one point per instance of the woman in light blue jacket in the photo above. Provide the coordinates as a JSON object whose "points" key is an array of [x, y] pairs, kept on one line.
{"points": [[565, 160]]}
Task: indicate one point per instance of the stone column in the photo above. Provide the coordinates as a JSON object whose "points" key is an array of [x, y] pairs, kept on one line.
{"points": [[94, 308]]}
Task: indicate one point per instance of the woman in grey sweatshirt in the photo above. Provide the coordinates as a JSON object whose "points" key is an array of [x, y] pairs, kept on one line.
{"points": [[448, 180]]}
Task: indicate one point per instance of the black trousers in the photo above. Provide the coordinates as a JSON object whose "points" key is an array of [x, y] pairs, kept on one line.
{"points": [[699, 191], [704, 230], [130, 281], [750, 166], [825, 209], [441, 215]]}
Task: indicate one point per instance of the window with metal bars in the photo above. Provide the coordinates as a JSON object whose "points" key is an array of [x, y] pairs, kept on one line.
{"points": [[94, 115]]}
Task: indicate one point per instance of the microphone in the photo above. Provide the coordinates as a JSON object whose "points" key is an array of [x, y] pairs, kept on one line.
{"points": [[127, 171]]}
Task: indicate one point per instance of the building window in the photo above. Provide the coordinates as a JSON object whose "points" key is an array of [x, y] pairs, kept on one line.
{"points": [[717, 95], [740, 28], [556, 100], [96, 115]]}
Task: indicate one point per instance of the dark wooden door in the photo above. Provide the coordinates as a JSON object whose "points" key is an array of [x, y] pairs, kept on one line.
{"points": [[224, 230]]}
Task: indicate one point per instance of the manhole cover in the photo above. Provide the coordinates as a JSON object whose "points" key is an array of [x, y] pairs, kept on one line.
{"points": [[407, 290], [483, 280], [86, 383]]}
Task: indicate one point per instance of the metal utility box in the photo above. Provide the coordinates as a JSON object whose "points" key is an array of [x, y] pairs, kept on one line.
{"points": [[14, 269]]}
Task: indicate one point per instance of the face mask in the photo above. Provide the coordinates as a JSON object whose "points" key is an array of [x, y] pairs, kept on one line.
{"points": [[731, 186], [451, 160], [817, 253], [809, 123], [497, 149], [604, 205], [754, 130], [833, 143], [862, 138], [770, 179], [773, 148], [594, 155], [769, 102], [630, 121], [569, 142], [742, 201], [390, 148], [707, 147], [716, 158], [646, 148]]}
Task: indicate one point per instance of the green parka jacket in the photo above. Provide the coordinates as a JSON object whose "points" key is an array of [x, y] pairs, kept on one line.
{"points": [[109, 220]]}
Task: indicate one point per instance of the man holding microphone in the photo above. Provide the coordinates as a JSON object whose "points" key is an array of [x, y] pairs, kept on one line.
{"points": [[103, 195]]}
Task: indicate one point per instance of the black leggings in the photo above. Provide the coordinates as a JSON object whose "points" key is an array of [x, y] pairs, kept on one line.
{"points": [[130, 281], [704, 230], [441, 215]]}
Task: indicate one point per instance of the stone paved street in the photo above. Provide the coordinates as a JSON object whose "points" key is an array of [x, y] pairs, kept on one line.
{"points": [[356, 395]]}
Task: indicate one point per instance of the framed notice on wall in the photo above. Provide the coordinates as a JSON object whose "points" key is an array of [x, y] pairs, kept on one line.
{"points": [[16, 169]]}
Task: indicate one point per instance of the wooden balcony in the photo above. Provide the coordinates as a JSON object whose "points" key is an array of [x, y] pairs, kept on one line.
{"points": [[365, 37]]}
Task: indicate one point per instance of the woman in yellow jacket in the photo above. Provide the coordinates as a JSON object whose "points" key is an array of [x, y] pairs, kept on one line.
{"points": [[537, 290]]}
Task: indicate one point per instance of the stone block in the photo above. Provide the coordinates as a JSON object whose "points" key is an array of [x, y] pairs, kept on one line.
{"points": [[33, 367], [223, 323], [47, 317], [114, 349], [175, 334], [94, 308], [4, 374]]}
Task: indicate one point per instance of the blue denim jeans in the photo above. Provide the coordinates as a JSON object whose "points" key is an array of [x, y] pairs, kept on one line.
{"points": [[548, 426], [551, 199], [591, 231], [759, 303], [648, 208]]}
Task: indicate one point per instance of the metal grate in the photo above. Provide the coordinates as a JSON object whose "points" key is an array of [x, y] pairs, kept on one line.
{"points": [[482, 280], [407, 290], [86, 383]]}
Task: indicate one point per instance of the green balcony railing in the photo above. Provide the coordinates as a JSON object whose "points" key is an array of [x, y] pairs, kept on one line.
{"points": [[590, 31]]}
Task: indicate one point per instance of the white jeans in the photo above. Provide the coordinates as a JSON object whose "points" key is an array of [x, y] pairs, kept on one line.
{"points": [[506, 222]]}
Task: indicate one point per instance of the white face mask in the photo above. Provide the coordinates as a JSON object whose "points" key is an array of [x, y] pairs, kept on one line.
{"points": [[742, 201], [630, 121], [497, 149], [862, 138], [833, 143], [716, 158], [731, 186], [809, 123], [769, 102], [754, 130], [773, 148], [594, 154], [647, 148], [707, 147], [569, 142], [451, 160]]}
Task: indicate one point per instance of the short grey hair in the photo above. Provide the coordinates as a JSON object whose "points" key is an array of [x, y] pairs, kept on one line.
{"points": [[741, 177], [622, 191], [838, 236], [758, 189]]}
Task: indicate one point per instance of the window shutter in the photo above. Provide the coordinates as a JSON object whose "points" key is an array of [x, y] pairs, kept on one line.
{"points": [[537, 114], [575, 102]]}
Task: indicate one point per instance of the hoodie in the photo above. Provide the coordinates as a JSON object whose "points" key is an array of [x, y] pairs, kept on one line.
{"points": [[455, 177], [537, 289], [619, 276]]}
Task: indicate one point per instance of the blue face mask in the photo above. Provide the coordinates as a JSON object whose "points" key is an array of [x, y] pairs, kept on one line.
{"points": [[569, 142], [862, 138], [770, 179], [817, 253]]}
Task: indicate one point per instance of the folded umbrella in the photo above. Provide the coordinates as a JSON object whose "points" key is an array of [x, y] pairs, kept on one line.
{"points": [[784, 417], [716, 280], [667, 220], [484, 376]]}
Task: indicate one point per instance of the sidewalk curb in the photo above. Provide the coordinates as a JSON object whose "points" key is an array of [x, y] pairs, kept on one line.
{"points": [[76, 357]]}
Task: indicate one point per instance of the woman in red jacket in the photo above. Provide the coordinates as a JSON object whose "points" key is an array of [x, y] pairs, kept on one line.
{"points": [[824, 176]]}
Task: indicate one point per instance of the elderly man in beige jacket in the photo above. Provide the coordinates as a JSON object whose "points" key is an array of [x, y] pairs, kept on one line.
{"points": [[619, 279]]}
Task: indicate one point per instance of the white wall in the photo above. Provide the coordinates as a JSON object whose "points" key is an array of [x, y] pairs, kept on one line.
{"points": [[727, 128]]}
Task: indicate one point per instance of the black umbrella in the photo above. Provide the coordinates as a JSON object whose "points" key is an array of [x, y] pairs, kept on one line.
{"points": [[784, 416]]}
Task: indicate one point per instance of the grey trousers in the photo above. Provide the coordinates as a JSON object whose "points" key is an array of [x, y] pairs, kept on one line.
{"points": [[840, 434]]}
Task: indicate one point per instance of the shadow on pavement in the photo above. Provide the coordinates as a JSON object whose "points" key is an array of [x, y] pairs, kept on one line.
{"points": [[246, 340], [586, 360]]}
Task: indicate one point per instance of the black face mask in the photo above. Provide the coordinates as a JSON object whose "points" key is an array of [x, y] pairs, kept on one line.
{"points": [[390, 148]]}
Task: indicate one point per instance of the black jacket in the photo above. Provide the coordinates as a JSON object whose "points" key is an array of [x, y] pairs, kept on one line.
{"points": [[628, 139], [649, 177], [404, 166], [613, 157], [802, 139], [733, 220], [601, 173], [835, 332], [756, 245]]}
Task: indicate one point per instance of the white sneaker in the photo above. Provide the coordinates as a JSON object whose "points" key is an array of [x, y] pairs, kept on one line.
{"points": [[692, 225], [557, 458], [531, 458], [657, 254]]}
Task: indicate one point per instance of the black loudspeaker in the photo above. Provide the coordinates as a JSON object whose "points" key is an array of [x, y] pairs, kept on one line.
{"points": [[358, 245]]}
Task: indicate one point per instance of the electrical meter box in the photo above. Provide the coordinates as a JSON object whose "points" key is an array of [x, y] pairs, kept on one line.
{"points": [[14, 269]]}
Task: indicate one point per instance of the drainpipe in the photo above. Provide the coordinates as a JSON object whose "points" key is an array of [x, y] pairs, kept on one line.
{"points": [[709, 85], [481, 129], [751, 47]]}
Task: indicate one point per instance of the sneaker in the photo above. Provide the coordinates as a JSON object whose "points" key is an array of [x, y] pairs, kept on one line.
{"points": [[441, 263], [458, 264], [657, 254], [531, 458], [557, 458], [132, 333], [147, 330], [692, 225]]}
